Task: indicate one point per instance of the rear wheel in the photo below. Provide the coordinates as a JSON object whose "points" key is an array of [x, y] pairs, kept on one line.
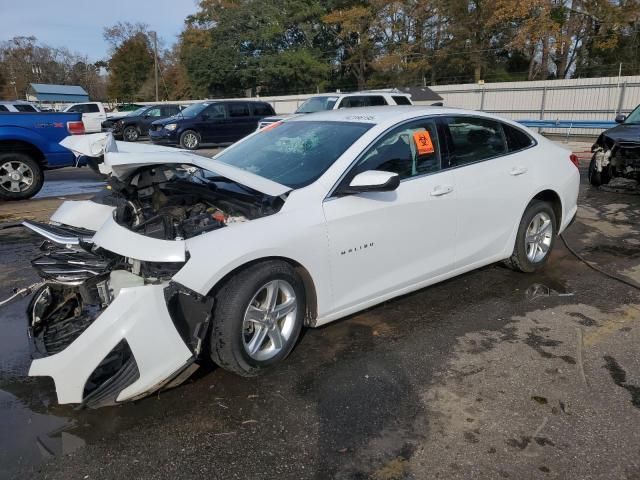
{"points": [[21, 176], [258, 317], [131, 134], [190, 140], [535, 238]]}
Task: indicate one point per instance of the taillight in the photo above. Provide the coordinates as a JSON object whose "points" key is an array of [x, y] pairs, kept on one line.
{"points": [[574, 159], [75, 128]]}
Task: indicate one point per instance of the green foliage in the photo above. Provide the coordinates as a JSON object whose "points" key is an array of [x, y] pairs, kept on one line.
{"points": [[129, 67]]}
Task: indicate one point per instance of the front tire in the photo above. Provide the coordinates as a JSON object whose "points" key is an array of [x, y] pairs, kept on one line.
{"points": [[21, 177], [130, 134], [190, 140], [258, 317], [535, 238]]}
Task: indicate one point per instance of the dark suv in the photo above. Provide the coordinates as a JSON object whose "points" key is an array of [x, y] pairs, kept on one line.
{"points": [[135, 124], [210, 122]]}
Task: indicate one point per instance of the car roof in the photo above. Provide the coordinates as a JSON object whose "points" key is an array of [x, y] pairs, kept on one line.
{"points": [[362, 93], [388, 115]]}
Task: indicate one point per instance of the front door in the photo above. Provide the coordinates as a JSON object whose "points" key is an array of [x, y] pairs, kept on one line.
{"points": [[384, 242], [150, 116]]}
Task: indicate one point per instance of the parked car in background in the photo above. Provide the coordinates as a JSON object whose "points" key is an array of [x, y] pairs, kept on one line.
{"points": [[135, 124], [616, 152], [29, 144], [298, 225], [123, 108], [17, 106], [334, 101], [93, 114], [219, 122]]}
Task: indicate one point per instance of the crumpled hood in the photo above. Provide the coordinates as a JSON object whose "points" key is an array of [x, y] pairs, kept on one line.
{"points": [[122, 158], [623, 133]]}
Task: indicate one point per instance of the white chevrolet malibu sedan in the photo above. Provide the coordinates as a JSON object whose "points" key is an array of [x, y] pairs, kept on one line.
{"points": [[302, 223]]}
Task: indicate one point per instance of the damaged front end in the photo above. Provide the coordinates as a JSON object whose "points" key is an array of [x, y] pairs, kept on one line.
{"points": [[108, 323], [108, 329], [614, 157]]}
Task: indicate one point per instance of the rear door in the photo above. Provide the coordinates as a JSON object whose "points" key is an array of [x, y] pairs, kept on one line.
{"points": [[241, 121], [212, 124], [490, 183], [383, 242]]}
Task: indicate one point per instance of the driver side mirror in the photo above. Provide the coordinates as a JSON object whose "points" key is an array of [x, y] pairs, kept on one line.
{"points": [[372, 181], [620, 118]]}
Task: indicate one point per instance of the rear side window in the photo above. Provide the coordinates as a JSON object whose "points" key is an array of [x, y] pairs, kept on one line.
{"points": [[21, 107], [516, 138], [3, 108], [238, 110], [474, 139], [401, 100], [262, 109], [153, 112], [353, 102], [169, 111]]}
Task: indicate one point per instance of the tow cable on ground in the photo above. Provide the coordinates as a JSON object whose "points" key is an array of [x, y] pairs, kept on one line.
{"points": [[591, 265]]}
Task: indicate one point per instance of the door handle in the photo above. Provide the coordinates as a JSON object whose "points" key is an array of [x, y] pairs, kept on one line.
{"points": [[440, 190], [515, 171]]}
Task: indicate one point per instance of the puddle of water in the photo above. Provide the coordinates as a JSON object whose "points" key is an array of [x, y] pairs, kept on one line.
{"points": [[54, 188]]}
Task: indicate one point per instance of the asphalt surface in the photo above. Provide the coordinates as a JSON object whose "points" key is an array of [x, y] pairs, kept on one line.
{"points": [[493, 374]]}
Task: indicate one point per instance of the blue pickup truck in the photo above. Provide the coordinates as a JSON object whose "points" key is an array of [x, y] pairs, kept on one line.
{"points": [[29, 144]]}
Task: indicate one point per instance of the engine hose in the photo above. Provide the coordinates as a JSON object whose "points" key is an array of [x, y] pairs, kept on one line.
{"points": [[22, 292], [591, 265]]}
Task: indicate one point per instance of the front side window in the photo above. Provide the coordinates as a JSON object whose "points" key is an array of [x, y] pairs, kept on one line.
{"points": [[409, 150], [238, 110], [353, 102], [76, 109], [376, 101], [153, 112], [317, 104], [474, 139], [92, 108], [294, 154], [169, 111]]}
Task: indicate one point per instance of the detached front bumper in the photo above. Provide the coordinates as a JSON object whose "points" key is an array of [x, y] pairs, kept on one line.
{"points": [[139, 317]]}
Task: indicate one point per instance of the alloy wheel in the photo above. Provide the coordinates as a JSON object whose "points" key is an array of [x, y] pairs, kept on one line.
{"points": [[269, 320], [190, 140], [16, 176], [538, 237]]}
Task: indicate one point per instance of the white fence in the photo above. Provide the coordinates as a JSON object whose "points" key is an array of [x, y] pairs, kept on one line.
{"points": [[575, 99]]}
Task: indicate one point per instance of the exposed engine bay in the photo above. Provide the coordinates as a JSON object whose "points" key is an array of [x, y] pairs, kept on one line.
{"points": [[83, 281], [614, 156], [180, 202]]}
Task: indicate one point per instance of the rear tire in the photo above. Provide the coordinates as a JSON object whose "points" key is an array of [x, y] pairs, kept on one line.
{"points": [[190, 140], [535, 238], [244, 339], [21, 177], [598, 178]]}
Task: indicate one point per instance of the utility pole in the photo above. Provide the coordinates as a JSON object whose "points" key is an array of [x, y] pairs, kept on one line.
{"points": [[155, 61]]}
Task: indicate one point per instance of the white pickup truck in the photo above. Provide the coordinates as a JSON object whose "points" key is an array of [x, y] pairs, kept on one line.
{"points": [[93, 114]]}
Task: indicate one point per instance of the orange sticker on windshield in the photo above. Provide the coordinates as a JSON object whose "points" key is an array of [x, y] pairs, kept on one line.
{"points": [[270, 126], [423, 142]]}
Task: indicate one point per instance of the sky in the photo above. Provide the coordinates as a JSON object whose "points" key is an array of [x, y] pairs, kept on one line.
{"points": [[78, 24]]}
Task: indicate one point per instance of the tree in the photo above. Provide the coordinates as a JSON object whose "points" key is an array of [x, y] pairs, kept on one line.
{"points": [[129, 67]]}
